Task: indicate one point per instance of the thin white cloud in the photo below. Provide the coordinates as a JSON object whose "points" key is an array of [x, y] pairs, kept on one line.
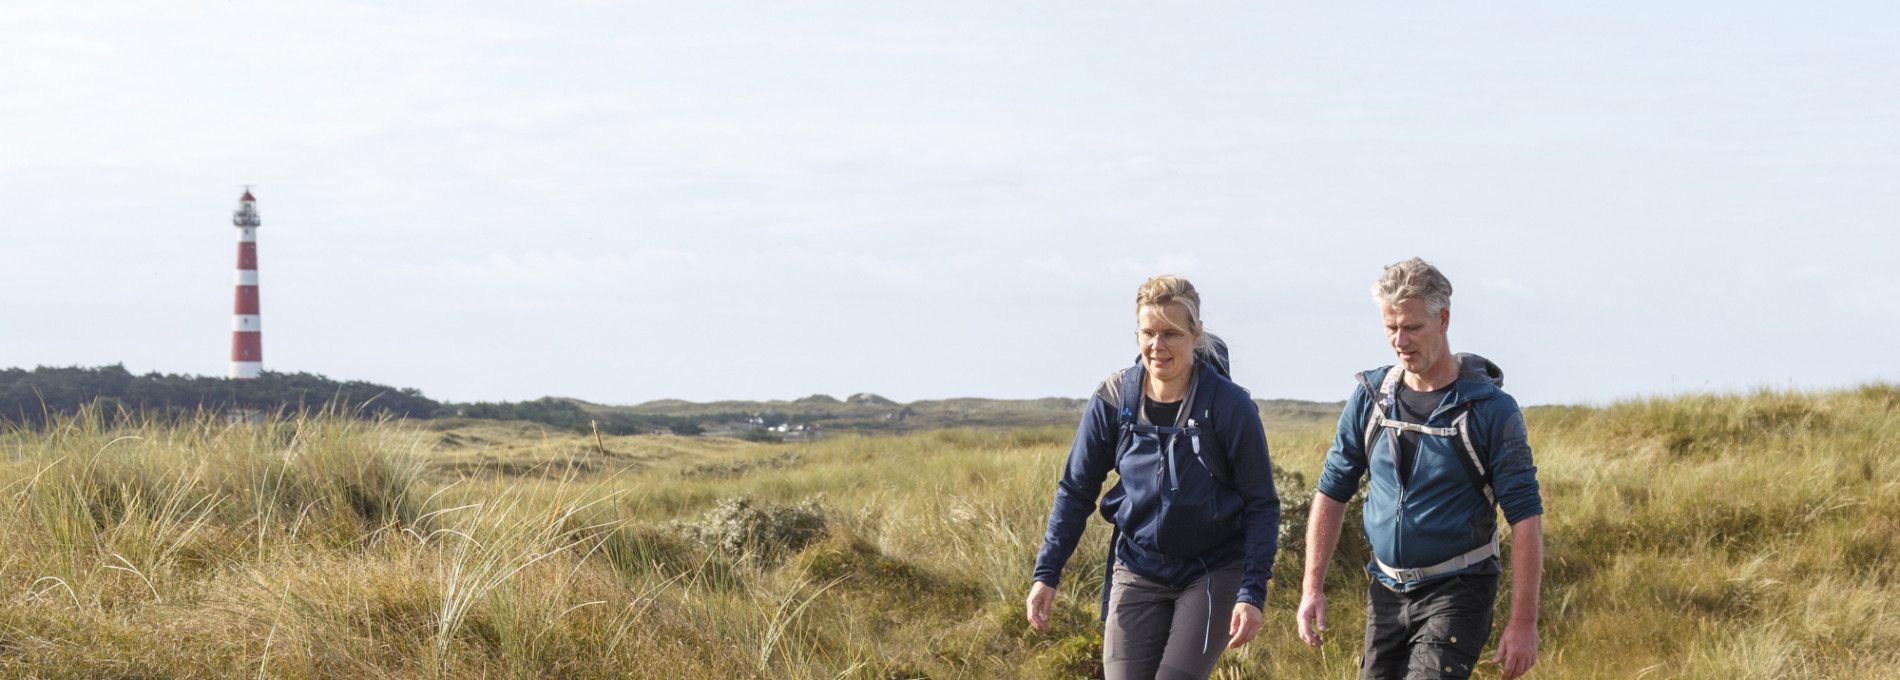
{"points": [[766, 170]]}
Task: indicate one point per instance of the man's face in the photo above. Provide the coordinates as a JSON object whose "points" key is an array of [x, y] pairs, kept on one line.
{"points": [[1416, 337]]}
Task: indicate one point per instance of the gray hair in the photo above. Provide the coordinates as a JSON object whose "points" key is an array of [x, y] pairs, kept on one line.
{"points": [[1413, 279]]}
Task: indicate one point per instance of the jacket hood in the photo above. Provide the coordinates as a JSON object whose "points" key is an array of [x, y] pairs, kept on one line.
{"points": [[1478, 377], [1474, 367], [1217, 359]]}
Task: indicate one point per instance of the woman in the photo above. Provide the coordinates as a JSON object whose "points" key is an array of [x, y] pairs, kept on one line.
{"points": [[1194, 509]]}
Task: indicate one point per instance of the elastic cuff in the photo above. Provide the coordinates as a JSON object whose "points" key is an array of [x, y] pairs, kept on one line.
{"points": [[1534, 511], [1335, 495]]}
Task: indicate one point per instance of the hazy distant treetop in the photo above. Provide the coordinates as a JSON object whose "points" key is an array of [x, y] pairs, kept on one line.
{"points": [[868, 399]]}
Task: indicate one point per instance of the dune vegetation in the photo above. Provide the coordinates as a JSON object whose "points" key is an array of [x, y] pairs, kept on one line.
{"points": [[1742, 536]]}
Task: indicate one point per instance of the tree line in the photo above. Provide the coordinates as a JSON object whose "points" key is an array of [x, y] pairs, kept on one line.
{"points": [[30, 397], [564, 413]]}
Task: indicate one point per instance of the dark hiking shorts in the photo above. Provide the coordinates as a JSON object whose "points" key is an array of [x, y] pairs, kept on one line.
{"points": [[1436, 631]]}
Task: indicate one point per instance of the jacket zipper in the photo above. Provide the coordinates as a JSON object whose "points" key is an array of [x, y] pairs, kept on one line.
{"points": [[1398, 528], [1167, 454], [1392, 442]]}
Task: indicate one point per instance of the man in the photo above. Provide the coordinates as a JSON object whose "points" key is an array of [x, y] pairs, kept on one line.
{"points": [[1445, 448]]}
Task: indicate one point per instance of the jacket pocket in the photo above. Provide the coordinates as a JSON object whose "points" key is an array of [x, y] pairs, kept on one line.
{"points": [[1186, 531], [1198, 516]]}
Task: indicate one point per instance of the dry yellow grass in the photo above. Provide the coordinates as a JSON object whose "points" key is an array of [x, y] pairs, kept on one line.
{"points": [[1748, 536]]}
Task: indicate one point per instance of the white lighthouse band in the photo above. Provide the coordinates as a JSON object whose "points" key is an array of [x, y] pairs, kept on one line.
{"points": [[247, 370]]}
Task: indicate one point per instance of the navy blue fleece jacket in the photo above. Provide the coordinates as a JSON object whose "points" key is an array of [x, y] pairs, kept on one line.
{"points": [[1237, 441]]}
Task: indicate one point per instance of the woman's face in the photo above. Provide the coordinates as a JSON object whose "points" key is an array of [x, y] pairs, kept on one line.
{"points": [[1167, 344]]}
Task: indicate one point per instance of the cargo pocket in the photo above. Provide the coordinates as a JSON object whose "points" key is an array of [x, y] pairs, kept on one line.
{"points": [[1448, 644], [1447, 655]]}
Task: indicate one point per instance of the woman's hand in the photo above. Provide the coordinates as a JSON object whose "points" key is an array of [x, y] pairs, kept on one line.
{"points": [[1245, 625], [1041, 599]]}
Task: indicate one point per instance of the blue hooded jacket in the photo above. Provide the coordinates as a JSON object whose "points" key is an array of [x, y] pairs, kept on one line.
{"points": [[1239, 516], [1438, 514]]}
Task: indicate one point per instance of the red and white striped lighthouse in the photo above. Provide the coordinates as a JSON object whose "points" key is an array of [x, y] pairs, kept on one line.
{"points": [[247, 331]]}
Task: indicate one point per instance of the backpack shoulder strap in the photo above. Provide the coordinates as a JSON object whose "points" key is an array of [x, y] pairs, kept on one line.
{"points": [[1470, 460], [1128, 396], [1382, 401], [1203, 418], [1128, 393], [1460, 431]]}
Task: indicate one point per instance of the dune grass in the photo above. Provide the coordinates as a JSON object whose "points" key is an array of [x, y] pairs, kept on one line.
{"points": [[1741, 536]]}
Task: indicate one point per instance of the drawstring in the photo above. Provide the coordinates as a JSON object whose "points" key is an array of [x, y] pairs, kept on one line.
{"points": [[1108, 570], [1207, 586]]}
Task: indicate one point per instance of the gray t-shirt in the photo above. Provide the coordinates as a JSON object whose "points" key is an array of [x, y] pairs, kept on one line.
{"points": [[1414, 407]]}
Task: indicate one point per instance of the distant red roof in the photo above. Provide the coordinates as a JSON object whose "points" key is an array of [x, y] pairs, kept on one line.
{"points": [[247, 196]]}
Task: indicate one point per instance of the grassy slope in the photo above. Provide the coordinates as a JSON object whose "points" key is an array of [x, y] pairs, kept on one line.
{"points": [[1708, 537]]}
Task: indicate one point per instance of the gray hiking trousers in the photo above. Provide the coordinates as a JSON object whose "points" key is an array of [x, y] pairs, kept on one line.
{"points": [[1155, 631]]}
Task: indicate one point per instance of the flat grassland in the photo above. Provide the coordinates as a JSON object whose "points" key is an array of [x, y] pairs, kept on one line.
{"points": [[1746, 536]]}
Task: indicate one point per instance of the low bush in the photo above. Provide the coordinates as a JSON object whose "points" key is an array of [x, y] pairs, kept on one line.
{"points": [[761, 533]]}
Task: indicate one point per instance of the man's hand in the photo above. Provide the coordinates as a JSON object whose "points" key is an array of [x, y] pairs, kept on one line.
{"points": [[1322, 535], [1517, 650], [1245, 625], [1517, 647], [1041, 599], [1312, 616]]}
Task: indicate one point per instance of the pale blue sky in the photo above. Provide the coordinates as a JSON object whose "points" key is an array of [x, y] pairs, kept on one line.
{"points": [[703, 200]]}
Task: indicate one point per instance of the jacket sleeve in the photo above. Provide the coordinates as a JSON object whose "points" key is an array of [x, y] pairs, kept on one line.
{"points": [[1513, 474], [1091, 456], [1346, 460], [1245, 442]]}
